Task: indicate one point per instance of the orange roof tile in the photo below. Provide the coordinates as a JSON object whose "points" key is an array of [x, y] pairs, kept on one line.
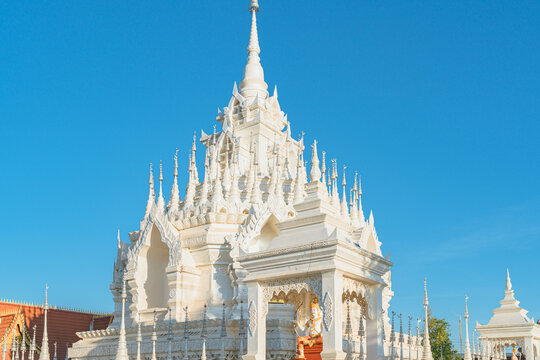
{"points": [[62, 325]]}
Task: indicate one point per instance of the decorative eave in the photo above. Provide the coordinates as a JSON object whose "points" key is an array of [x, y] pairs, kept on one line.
{"points": [[319, 256]]}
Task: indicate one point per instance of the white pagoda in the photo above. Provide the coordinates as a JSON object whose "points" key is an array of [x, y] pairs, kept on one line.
{"points": [[224, 272], [509, 327]]}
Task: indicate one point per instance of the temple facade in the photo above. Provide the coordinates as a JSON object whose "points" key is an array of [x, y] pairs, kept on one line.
{"points": [[265, 229]]}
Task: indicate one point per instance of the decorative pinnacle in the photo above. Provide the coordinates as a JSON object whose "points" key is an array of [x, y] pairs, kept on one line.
{"points": [[426, 302], [253, 84], [466, 308], [508, 282], [254, 6], [176, 163], [46, 297], [315, 173]]}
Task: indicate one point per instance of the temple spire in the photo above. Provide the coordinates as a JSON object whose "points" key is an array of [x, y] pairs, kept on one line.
{"points": [[467, 355], [44, 355], [151, 192], [161, 200], [360, 210], [193, 160], [33, 344], [315, 173], [344, 207], [253, 82], [121, 352], [23, 343], [426, 352], [4, 348], [508, 282], [174, 200], [323, 168]]}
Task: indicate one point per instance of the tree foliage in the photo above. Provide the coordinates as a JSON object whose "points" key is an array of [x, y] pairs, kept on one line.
{"points": [[439, 336]]}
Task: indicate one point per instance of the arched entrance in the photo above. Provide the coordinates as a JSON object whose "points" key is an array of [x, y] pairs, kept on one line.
{"points": [[152, 276]]}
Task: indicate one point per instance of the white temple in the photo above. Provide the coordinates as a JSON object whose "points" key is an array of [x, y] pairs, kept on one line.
{"points": [[509, 327], [225, 271]]}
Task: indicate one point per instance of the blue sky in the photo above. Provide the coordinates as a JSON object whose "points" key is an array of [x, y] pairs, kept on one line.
{"points": [[436, 104]]}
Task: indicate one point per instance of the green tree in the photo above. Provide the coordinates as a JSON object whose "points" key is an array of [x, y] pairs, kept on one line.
{"points": [[439, 336]]}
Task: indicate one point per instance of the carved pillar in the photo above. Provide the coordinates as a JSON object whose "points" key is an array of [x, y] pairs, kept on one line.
{"points": [[332, 290], [528, 348], [374, 326], [182, 285], [256, 344]]}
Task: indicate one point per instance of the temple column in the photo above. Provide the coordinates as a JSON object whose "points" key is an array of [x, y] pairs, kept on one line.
{"points": [[182, 285], [332, 288], [374, 330], [256, 343], [528, 349]]}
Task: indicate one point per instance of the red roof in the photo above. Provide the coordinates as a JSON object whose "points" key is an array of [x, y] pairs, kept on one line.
{"points": [[62, 326]]}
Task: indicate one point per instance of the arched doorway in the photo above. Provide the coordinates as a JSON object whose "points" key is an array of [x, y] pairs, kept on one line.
{"points": [[153, 284]]}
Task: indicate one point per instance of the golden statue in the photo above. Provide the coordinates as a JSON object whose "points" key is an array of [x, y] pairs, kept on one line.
{"points": [[310, 333], [514, 353]]}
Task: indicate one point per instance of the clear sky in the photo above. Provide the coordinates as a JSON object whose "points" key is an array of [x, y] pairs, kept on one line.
{"points": [[435, 103]]}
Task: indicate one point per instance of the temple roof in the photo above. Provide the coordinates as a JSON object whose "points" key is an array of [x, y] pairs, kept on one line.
{"points": [[62, 325], [509, 313]]}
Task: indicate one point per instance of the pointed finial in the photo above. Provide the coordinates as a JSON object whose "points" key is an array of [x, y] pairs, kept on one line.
{"points": [[426, 302], [160, 173], [466, 307], [174, 199], [176, 163], [315, 173], [253, 82], [151, 192], [323, 167], [254, 6], [161, 201], [508, 282]]}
